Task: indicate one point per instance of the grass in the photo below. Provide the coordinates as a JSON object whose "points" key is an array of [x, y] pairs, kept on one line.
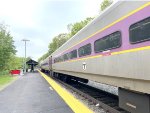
{"points": [[5, 79]]}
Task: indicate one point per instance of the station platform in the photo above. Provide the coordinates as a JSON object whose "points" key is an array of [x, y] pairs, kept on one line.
{"points": [[37, 93]]}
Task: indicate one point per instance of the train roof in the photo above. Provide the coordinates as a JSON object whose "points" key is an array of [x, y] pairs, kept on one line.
{"points": [[44, 61], [105, 18], [93, 21]]}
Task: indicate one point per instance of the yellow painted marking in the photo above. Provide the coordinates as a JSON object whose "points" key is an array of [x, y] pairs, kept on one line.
{"points": [[108, 26], [113, 53], [131, 50], [96, 56], [72, 102]]}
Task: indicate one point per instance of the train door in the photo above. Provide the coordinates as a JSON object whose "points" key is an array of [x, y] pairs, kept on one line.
{"points": [[50, 65]]}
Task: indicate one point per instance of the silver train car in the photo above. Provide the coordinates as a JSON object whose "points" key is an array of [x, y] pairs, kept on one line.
{"points": [[113, 49]]}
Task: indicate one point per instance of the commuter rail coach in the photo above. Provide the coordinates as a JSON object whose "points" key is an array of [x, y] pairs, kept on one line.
{"points": [[113, 49]]}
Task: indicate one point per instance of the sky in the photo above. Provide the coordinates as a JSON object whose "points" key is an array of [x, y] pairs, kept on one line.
{"points": [[41, 20]]}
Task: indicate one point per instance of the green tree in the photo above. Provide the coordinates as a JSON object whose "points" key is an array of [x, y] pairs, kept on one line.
{"points": [[7, 48], [57, 42], [105, 4], [15, 62], [43, 57], [60, 39], [74, 28], [28, 58]]}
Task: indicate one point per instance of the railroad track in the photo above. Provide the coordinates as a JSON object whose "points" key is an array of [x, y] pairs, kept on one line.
{"points": [[105, 100]]}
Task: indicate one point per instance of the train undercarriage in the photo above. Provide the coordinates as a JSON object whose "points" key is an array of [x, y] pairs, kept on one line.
{"points": [[134, 102], [64, 77]]}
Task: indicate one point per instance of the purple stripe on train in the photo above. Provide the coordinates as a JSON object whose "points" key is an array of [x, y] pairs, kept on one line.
{"points": [[122, 26]]}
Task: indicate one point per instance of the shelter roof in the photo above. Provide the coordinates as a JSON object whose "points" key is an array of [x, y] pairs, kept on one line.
{"points": [[32, 62]]}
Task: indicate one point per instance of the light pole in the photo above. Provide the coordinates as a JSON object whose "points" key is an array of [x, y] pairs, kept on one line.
{"points": [[25, 40]]}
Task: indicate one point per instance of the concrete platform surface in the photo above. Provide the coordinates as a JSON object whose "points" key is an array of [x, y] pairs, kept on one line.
{"points": [[31, 94]]}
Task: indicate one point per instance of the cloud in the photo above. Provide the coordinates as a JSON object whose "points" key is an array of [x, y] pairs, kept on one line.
{"points": [[41, 20]]}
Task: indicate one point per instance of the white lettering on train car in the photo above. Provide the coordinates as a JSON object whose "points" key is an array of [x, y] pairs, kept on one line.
{"points": [[84, 65]]}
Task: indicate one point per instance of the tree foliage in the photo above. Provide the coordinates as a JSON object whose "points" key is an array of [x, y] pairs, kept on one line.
{"points": [[105, 4], [7, 48], [43, 57], [74, 28], [15, 62], [57, 42], [60, 39]]}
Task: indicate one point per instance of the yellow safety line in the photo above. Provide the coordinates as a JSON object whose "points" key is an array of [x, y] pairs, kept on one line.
{"points": [[72, 102]]}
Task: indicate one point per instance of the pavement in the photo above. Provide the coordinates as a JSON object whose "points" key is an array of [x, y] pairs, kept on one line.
{"points": [[31, 93]]}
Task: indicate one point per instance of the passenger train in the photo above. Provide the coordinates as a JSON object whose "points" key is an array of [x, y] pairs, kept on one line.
{"points": [[113, 49]]}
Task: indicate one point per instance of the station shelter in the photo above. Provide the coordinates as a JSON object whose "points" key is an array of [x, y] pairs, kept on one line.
{"points": [[31, 64]]}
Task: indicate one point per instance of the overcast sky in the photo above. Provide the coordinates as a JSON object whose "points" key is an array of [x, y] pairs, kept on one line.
{"points": [[41, 20]]}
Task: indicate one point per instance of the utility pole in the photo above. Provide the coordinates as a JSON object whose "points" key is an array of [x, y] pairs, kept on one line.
{"points": [[25, 40]]}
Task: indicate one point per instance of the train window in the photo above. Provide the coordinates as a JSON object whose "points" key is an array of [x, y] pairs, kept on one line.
{"points": [[65, 56], [108, 42], [140, 31], [56, 60], [84, 50], [61, 58], [44, 64], [73, 54]]}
